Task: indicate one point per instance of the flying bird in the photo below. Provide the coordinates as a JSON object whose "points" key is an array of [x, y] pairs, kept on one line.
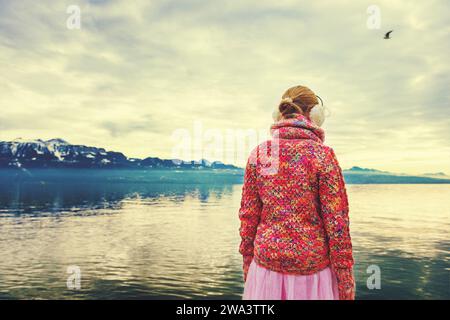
{"points": [[386, 36]]}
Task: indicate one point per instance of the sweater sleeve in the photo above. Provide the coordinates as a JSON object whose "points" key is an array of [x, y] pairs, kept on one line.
{"points": [[249, 215], [334, 212]]}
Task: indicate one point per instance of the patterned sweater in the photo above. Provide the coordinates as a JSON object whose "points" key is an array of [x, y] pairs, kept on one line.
{"points": [[294, 208]]}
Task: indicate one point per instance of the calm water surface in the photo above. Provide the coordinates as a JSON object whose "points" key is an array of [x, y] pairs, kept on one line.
{"points": [[172, 235]]}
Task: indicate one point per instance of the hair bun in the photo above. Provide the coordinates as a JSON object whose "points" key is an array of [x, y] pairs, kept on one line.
{"points": [[298, 99]]}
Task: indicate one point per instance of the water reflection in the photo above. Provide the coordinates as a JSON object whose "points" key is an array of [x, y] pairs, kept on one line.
{"points": [[49, 192], [137, 236]]}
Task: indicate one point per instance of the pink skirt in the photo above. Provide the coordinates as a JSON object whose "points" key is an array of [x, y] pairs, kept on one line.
{"points": [[264, 284]]}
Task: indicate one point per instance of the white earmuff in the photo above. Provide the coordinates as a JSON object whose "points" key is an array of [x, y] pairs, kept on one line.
{"points": [[276, 115], [317, 114]]}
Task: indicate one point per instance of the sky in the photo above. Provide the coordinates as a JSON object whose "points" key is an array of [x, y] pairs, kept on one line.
{"points": [[137, 74]]}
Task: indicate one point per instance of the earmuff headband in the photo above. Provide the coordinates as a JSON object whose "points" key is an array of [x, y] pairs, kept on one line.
{"points": [[321, 101]]}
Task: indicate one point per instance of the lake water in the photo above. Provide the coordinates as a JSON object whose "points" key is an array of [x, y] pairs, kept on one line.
{"points": [[172, 235]]}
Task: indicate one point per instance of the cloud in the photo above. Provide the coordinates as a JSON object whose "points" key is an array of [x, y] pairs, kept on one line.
{"points": [[227, 65], [124, 127]]}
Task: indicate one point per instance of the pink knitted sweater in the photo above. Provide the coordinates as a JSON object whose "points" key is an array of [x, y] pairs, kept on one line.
{"points": [[294, 208]]}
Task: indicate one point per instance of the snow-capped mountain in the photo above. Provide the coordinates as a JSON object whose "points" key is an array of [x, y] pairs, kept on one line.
{"points": [[55, 152], [59, 153]]}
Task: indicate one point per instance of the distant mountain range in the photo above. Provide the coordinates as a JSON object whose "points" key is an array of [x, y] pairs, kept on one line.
{"points": [[358, 175], [58, 153]]}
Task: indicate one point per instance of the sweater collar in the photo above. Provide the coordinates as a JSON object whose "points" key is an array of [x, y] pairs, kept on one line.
{"points": [[299, 127]]}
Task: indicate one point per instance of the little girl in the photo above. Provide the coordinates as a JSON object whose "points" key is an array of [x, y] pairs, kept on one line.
{"points": [[294, 211]]}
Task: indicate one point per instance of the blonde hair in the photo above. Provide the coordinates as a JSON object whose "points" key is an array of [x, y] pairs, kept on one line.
{"points": [[297, 100]]}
